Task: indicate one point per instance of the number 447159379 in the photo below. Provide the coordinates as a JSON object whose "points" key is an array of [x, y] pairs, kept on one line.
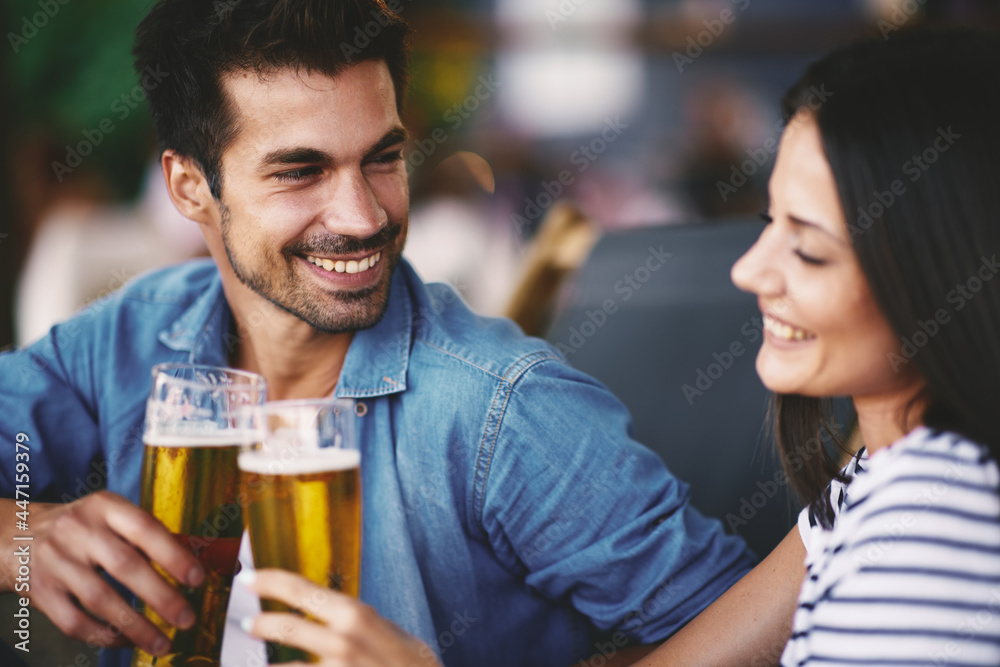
{"points": [[22, 477]]}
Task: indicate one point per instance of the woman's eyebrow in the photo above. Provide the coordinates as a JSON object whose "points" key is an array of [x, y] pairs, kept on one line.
{"points": [[801, 222]]}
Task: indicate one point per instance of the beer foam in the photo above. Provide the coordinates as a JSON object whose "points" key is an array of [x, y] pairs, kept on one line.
{"points": [[284, 462], [205, 439]]}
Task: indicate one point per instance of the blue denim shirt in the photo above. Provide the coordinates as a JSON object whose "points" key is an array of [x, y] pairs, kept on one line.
{"points": [[509, 517]]}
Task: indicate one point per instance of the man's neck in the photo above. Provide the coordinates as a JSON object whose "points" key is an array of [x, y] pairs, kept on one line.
{"points": [[296, 360]]}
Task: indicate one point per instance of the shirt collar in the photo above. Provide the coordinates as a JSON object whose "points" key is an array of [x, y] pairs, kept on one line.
{"points": [[376, 361], [378, 358], [204, 328]]}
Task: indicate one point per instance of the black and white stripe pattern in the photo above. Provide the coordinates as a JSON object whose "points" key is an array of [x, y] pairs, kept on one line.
{"points": [[910, 572]]}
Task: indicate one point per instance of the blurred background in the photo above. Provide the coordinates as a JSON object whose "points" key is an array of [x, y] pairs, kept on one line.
{"points": [[556, 144], [648, 109]]}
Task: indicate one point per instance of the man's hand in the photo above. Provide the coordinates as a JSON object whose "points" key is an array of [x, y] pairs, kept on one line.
{"points": [[73, 543], [344, 632]]}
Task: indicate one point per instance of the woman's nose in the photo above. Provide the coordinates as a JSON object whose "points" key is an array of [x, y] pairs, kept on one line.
{"points": [[757, 271]]}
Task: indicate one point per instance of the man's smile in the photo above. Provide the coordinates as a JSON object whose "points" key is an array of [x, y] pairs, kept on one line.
{"points": [[346, 266]]}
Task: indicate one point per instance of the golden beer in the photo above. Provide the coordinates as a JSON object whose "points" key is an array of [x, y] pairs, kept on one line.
{"points": [[191, 484], [304, 515]]}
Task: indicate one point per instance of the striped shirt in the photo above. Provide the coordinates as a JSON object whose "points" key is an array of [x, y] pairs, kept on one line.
{"points": [[910, 572]]}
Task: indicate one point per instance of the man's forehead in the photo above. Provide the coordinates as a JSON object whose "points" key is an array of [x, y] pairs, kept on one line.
{"points": [[298, 106], [242, 86]]}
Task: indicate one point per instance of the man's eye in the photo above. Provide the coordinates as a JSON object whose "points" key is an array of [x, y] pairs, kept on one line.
{"points": [[296, 175], [388, 158]]}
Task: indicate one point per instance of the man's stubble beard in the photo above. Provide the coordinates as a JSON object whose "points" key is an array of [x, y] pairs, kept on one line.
{"points": [[353, 310]]}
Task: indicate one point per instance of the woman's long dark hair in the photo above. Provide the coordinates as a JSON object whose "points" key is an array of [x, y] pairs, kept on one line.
{"points": [[911, 129]]}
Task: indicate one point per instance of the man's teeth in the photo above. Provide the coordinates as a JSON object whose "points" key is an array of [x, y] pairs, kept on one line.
{"points": [[351, 266], [785, 331]]}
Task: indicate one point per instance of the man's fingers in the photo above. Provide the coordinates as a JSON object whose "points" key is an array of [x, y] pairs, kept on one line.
{"points": [[138, 527], [101, 600], [72, 621], [90, 543], [125, 564]]}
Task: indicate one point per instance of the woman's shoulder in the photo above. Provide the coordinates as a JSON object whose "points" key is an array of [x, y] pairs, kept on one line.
{"points": [[927, 457], [926, 477]]}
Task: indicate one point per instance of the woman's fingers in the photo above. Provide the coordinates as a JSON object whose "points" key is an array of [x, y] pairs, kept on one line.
{"points": [[327, 606], [302, 633], [339, 629]]}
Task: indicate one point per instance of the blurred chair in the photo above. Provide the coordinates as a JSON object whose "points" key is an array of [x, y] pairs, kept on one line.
{"points": [[558, 249], [676, 342]]}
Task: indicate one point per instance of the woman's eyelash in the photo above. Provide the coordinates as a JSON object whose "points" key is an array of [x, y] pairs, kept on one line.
{"points": [[810, 260]]}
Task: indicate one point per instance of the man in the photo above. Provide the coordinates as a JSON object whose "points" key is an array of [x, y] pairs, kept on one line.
{"points": [[503, 495]]}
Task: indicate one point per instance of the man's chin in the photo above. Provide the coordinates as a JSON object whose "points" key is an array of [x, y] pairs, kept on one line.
{"points": [[344, 311], [352, 311]]}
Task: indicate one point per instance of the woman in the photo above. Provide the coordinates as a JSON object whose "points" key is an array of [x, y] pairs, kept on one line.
{"points": [[877, 279]]}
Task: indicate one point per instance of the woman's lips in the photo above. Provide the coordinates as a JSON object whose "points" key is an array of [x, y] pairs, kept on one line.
{"points": [[784, 331]]}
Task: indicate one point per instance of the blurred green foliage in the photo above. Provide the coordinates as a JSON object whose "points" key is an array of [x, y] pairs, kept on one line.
{"points": [[71, 61]]}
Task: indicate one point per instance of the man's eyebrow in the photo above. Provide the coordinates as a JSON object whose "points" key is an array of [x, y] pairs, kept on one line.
{"points": [[304, 155], [299, 155], [396, 135]]}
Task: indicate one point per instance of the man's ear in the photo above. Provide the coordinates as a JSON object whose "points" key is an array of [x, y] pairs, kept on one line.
{"points": [[188, 188]]}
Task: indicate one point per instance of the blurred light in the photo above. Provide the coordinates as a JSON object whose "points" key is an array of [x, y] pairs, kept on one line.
{"points": [[567, 65], [561, 92], [480, 169], [559, 13], [892, 8]]}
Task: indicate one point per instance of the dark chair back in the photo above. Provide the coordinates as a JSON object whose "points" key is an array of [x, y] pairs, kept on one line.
{"points": [[653, 315]]}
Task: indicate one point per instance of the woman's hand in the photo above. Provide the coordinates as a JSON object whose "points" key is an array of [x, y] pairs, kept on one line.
{"points": [[342, 631]]}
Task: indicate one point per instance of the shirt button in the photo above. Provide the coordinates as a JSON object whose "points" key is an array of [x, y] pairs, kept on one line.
{"points": [[360, 409]]}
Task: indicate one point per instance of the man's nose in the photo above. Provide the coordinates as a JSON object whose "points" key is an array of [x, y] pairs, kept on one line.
{"points": [[352, 207]]}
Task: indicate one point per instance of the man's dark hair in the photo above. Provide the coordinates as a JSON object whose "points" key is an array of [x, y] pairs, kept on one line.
{"points": [[195, 42]]}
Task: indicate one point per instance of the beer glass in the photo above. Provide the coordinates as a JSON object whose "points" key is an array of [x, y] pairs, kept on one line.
{"points": [[301, 495], [190, 482]]}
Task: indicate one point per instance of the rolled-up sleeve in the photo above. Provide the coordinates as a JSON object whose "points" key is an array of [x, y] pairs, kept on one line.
{"points": [[592, 516], [43, 396]]}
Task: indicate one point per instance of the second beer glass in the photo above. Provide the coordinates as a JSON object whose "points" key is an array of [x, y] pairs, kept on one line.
{"points": [[301, 495]]}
